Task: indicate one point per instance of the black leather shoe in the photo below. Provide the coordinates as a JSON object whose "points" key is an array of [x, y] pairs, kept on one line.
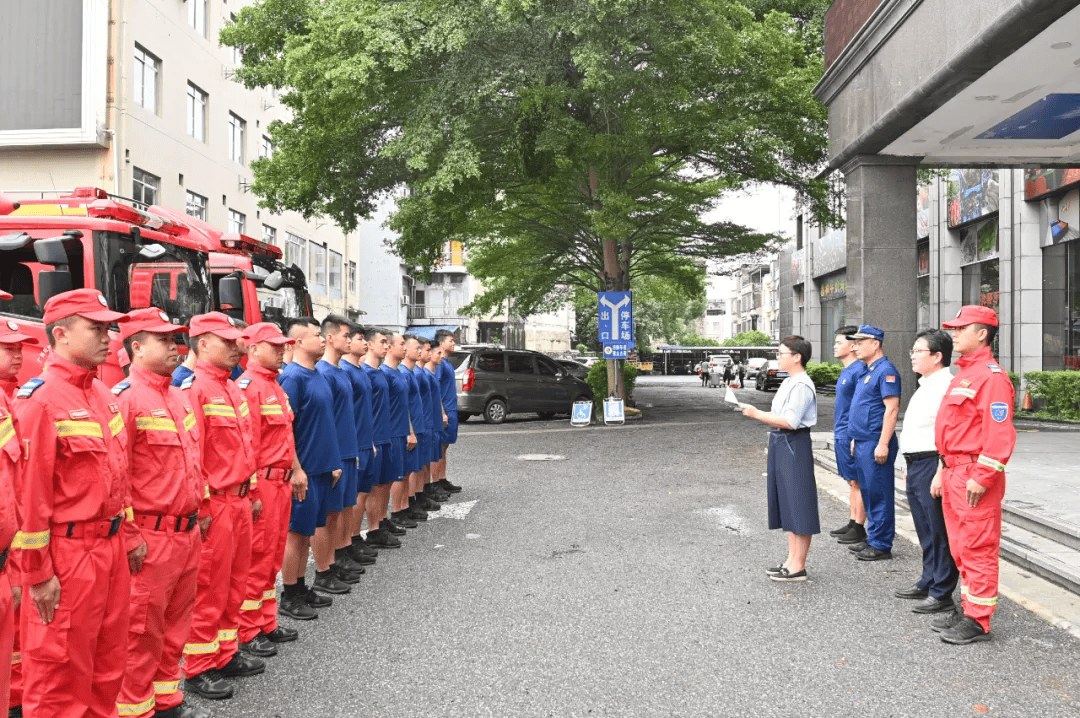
{"points": [[381, 538], [210, 685], [843, 529], [181, 711], [856, 547], [855, 534], [283, 635], [445, 485], [316, 600], [329, 583], [241, 666], [966, 631], [872, 554], [934, 605], [296, 608], [913, 592], [260, 646], [944, 623], [390, 526]]}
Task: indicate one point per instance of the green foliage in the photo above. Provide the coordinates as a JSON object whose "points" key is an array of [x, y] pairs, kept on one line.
{"points": [[752, 338], [1059, 392], [582, 348], [693, 339], [597, 379], [540, 132], [824, 374], [1015, 379]]}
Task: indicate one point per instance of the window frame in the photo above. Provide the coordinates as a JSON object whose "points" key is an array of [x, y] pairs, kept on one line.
{"points": [[144, 59], [189, 196], [237, 222], [144, 182], [196, 96], [237, 126], [199, 16]]}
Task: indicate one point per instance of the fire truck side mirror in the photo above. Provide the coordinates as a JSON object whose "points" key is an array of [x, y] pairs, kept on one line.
{"points": [[51, 251], [274, 281], [230, 293]]}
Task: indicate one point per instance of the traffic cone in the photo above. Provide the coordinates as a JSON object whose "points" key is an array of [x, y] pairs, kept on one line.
{"points": [[1028, 404]]}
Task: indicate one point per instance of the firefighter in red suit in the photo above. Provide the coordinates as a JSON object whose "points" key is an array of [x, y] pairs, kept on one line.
{"points": [[228, 465], [167, 490], [275, 452], [975, 436], [75, 561], [12, 341]]}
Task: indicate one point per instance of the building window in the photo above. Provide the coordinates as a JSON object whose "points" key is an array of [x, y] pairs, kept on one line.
{"points": [[237, 222], [234, 52], [317, 255], [196, 206], [296, 251], [197, 15], [1061, 306], [269, 235], [334, 275], [145, 188], [923, 273], [237, 129], [352, 277], [196, 112], [266, 147], [147, 73]]}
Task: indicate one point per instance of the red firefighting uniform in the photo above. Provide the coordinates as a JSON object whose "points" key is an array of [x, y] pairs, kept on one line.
{"points": [[228, 467], [975, 437], [14, 693], [10, 454], [72, 501], [167, 489], [274, 448]]}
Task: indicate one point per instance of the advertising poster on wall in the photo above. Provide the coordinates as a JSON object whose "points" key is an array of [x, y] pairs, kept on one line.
{"points": [[973, 193], [979, 242], [1064, 219], [1038, 183], [830, 252], [922, 212]]}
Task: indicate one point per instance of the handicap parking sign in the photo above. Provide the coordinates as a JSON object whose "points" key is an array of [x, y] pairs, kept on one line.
{"points": [[582, 414]]}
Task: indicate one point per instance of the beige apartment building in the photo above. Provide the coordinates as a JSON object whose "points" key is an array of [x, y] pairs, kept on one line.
{"points": [[138, 98]]}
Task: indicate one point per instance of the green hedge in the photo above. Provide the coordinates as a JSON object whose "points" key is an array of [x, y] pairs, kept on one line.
{"points": [[824, 374], [1059, 392], [597, 379]]}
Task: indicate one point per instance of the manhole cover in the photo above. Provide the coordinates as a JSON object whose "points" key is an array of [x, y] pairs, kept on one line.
{"points": [[541, 457]]}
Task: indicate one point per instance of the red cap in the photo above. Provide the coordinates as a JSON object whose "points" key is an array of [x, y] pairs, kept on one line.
{"points": [[122, 358], [214, 323], [87, 303], [972, 314], [150, 319], [5, 295], [265, 332], [10, 334]]}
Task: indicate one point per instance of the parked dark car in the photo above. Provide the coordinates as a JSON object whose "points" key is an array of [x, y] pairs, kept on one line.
{"points": [[496, 382], [769, 376], [575, 368]]}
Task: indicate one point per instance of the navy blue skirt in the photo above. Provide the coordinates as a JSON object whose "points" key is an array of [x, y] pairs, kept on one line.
{"points": [[792, 488]]}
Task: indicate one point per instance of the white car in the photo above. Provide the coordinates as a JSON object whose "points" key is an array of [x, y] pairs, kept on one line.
{"points": [[753, 366]]}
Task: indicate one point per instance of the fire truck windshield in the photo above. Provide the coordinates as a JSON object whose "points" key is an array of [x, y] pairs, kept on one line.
{"points": [[278, 306], [176, 281]]}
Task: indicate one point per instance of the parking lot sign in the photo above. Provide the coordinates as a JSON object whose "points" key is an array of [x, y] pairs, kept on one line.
{"points": [[616, 312]]}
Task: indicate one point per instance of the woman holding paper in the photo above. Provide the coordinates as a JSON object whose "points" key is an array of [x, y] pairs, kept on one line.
{"points": [[792, 488]]}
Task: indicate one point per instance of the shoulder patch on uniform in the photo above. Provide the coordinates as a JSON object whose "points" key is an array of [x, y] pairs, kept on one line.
{"points": [[119, 388], [186, 384], [243, 382], [999, 411], [890, 379], [29, 387], [994, 368]]}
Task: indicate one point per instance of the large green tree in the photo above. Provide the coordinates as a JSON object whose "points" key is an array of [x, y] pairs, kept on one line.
{"points": [[570, 144]]}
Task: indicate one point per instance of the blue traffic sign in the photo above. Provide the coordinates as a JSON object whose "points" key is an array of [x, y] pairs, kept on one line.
{"points": [[618, 350], [616, 319]]}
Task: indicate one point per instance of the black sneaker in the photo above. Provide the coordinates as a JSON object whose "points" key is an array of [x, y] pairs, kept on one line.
{"points": [[316, 600], [382, 539], [967, 630], [184, 710], [241, 666], [786, 575], [856, 547], [358, 556], [418, 514], [344, 575], [446, 486], [210, 685], [15, 712], [873, 554], [404, 519], [391, 527], [296, 608], [426, 503], [329, 583], [843, 529], [283, 635], [260, 646], [775, 570], [944, 623], [347, 564], [855, 534], [369, 550]]}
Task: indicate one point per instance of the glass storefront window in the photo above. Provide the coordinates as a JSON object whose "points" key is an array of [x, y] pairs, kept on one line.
{"points": [[981, 284], [832, 291], [1061, 307], [924, 304]]}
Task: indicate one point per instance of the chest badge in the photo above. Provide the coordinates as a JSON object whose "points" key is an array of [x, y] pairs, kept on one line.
{"points": [[217, 400], [999, 411], [77, 414], [965, 383], [159, 413]]}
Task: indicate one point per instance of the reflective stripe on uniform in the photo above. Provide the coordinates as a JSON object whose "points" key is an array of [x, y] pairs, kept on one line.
{"points": [[117, 424], [79, 428], [16, 658], [992, 463], [979, 601], [254, 479], [244, 408], [227, 634], [192, 649], [961, 391], [153, 423], [39, 539], [252, 604], [218, 410], [136, 709], [270, 595], [189, 422], [165, 687], [7, 430], [129, 513], [963, 590], [271, 409]]}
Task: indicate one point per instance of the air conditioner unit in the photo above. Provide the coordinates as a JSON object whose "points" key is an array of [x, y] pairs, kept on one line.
{"points": [[405, 300]]}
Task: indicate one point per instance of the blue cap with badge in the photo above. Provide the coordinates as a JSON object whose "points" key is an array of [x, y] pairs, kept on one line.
{"points": [[868, 331]]}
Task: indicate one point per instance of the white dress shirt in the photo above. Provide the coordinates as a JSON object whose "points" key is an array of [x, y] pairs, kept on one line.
{"points": [[917, 434]]}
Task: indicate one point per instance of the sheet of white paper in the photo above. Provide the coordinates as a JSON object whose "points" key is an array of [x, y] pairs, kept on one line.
{"points": [[729, 397]]}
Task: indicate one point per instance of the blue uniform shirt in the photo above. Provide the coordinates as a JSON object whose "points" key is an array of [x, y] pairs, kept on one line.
{"points": [[845, 389], [343, 407], [380, 408], [361, 390], [436, 402], [397, 401], [867, 410], [181, 373], [417, 413], [312, 403], [447, 385]]}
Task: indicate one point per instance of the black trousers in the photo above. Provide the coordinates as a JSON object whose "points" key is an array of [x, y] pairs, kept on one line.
{"points": [[939, 574]]}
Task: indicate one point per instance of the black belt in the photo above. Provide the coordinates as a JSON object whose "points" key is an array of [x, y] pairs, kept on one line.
{"points": [[163, 522], [916, 455], [3, 558], [951, 462], [801, 430]]}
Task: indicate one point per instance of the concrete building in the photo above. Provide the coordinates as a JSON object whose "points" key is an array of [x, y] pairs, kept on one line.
{"points": [[961, 84], [753, 299], [137, 97]]}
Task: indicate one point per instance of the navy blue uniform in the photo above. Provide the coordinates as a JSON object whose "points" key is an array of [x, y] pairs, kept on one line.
{"points": [[344, 493], [845, 390], [180, 375], [362, 412], [448, 392], [398, 403], [435, 452], [865, 418], [421, 421], [380, 412]]}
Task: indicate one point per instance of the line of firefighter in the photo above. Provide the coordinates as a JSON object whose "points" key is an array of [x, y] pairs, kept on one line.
{"points": [[147, 523]]}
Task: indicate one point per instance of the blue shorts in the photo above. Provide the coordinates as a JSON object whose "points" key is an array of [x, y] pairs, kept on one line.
{"points": [[377, 466], [393, 465], [415, 459], [335, 497], [309, 514], [350, 478], [449, 432], [845, 462], [367, 477], [434, 446]]}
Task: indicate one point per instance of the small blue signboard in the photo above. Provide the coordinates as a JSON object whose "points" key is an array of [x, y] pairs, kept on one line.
{"points": [[616, 351], [582, 414], [616, 319], [614, 412]]}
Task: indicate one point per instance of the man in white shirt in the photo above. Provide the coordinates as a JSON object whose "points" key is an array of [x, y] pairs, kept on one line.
{"points": [[930, 357]]}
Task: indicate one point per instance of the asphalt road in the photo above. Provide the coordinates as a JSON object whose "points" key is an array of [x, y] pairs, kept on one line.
{"points": [[628, 580]]}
